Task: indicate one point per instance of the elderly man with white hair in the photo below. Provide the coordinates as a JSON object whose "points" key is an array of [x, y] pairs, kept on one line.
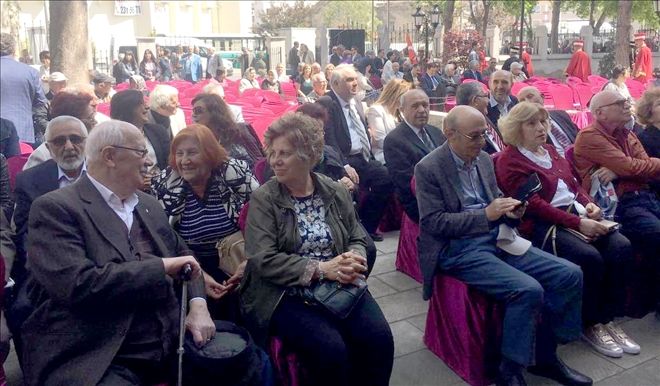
{"points": [[319, 85], [473, 71], [607, 152], [104, 264], [164, 109], [450, 79], [517, 72]]}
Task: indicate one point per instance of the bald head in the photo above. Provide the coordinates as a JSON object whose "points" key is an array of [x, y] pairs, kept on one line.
{"points": [[610, 109], [415, 107], [461, 117], [530, 94], [500, 85]]}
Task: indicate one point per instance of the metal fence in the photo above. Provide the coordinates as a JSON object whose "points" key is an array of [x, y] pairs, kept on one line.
{"points": [[604, 41], [102, 61]]}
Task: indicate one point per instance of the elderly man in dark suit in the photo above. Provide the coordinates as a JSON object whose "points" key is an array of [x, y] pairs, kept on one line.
{"points": [[563, 131], [102, 261], [473, 94], [346, 131], [408, 143], [501, 101], [464, 232]]}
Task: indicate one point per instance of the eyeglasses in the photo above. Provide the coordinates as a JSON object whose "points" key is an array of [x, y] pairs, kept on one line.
{"points": [[61, 140], [475, 137], [199, 110], [620, 102], [141, 152]]}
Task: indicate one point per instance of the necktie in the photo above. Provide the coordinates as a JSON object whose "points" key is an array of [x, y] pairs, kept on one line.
{"points": [[559, 135], [427, 140], [496, 137], [434, 81], [359, 128]]}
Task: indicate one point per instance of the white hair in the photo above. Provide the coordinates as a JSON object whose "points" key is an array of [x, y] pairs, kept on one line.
{"points": [[214, 88], [448, 66], [517, 65], [341, 72], [61, 121], [108, 133], [161, 95]]}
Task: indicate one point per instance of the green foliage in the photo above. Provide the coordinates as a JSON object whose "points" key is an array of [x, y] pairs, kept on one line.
{"points": [[606, 64], [344, 13], [283, 16], [642, 10], [458, 45]]}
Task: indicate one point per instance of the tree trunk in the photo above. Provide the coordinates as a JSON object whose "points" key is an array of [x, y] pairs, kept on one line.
{"points": [[486, 15], [599, 24], [592, 5], [554, 32], [449, 15], [622, 50], [473, 16], [68, 40]]}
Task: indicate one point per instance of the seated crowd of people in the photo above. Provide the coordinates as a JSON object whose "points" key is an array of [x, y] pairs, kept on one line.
{"points": [[115, 220]]}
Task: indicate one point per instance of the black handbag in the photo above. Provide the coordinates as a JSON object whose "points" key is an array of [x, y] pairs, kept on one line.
{"points": [[339, 299]]}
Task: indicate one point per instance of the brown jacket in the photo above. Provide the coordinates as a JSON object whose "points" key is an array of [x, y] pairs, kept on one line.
{"points": [[271, 242], [621, 152]]}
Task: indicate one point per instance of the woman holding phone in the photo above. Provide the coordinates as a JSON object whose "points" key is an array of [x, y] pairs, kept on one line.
{"points": [[563, 219]]}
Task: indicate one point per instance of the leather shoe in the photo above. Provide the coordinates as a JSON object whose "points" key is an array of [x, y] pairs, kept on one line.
{"points": [[513, 380], [376, 236], [561, 373]]}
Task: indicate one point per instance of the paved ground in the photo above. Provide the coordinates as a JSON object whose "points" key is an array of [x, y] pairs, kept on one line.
{"points": [[401, 301]]}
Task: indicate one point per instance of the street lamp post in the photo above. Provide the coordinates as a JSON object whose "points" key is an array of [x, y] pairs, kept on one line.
{"points": [[428, 22]]}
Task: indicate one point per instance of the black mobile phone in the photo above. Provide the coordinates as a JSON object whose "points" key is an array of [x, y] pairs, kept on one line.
{"points": [[526, 190]]}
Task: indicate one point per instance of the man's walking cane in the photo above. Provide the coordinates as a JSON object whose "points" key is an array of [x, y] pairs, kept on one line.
{"points": [[185, 275]]}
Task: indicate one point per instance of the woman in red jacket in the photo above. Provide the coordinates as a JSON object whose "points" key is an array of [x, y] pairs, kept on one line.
{"points": [[560, 207]]}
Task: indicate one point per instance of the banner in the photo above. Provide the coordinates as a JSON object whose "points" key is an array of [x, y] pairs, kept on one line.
{"points": [[127, 8]]}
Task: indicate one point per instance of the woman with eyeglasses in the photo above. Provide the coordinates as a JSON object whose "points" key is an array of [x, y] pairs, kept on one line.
{"points": [[203, 191], [211, 111], [129, 106], [476, 95], [559, 209]]}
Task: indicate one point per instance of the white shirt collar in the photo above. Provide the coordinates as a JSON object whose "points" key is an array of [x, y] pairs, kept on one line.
{"points": [[62, 174], [342, 102], [494, 102], [416, 129], [112, 199]]}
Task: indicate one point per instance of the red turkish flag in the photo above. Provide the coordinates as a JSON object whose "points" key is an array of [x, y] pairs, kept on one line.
{"points": [[411, 50]]}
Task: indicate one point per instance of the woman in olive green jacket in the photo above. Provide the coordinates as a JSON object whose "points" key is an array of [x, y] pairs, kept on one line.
{"points": [[302, 229]]}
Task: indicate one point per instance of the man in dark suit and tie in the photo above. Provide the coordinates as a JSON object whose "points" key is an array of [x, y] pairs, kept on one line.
{"points": [[103, 263], [501, 101], [563, 131], [346, 131], [463, 223], [474, 94], [433, 86], [473, 71], [408, 143]]}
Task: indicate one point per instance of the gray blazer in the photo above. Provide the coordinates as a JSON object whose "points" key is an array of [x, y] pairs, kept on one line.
{"points": [[86, 284], [440, 210]]}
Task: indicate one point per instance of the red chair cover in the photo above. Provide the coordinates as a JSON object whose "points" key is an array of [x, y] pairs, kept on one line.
{"points": [[15, 166], [391, 220], [517, 86], [463, 328], [562, 95], [26, 149], [103, 108], [584, 92], [259, 168], [407, 260]]}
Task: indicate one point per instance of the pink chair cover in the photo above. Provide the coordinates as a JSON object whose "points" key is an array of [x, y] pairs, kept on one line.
{"points": [[259, 168], [517, 86], [450, 103], [581, 119], [584, 92], [15, 166], [287, 367], [407, 260], [562, 95], [26, 149], [463, 328]]}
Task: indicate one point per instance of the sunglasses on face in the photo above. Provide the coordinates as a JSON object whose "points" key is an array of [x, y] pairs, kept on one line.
{"points": [[61, 140], [199, 110]]}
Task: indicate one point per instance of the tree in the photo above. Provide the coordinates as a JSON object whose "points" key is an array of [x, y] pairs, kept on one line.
{"points": [[10, 18], [623, 32], [599, 11], [283, 16], [349, 13], [68, 40], [513, 9], [554, 31]]}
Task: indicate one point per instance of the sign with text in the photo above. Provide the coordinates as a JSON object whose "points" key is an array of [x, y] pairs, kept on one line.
{"points": [[127, 8]]}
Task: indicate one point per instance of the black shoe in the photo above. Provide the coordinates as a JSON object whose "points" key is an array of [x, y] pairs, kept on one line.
{"points": [[561, 373], [513, 380], [376, 236]]}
